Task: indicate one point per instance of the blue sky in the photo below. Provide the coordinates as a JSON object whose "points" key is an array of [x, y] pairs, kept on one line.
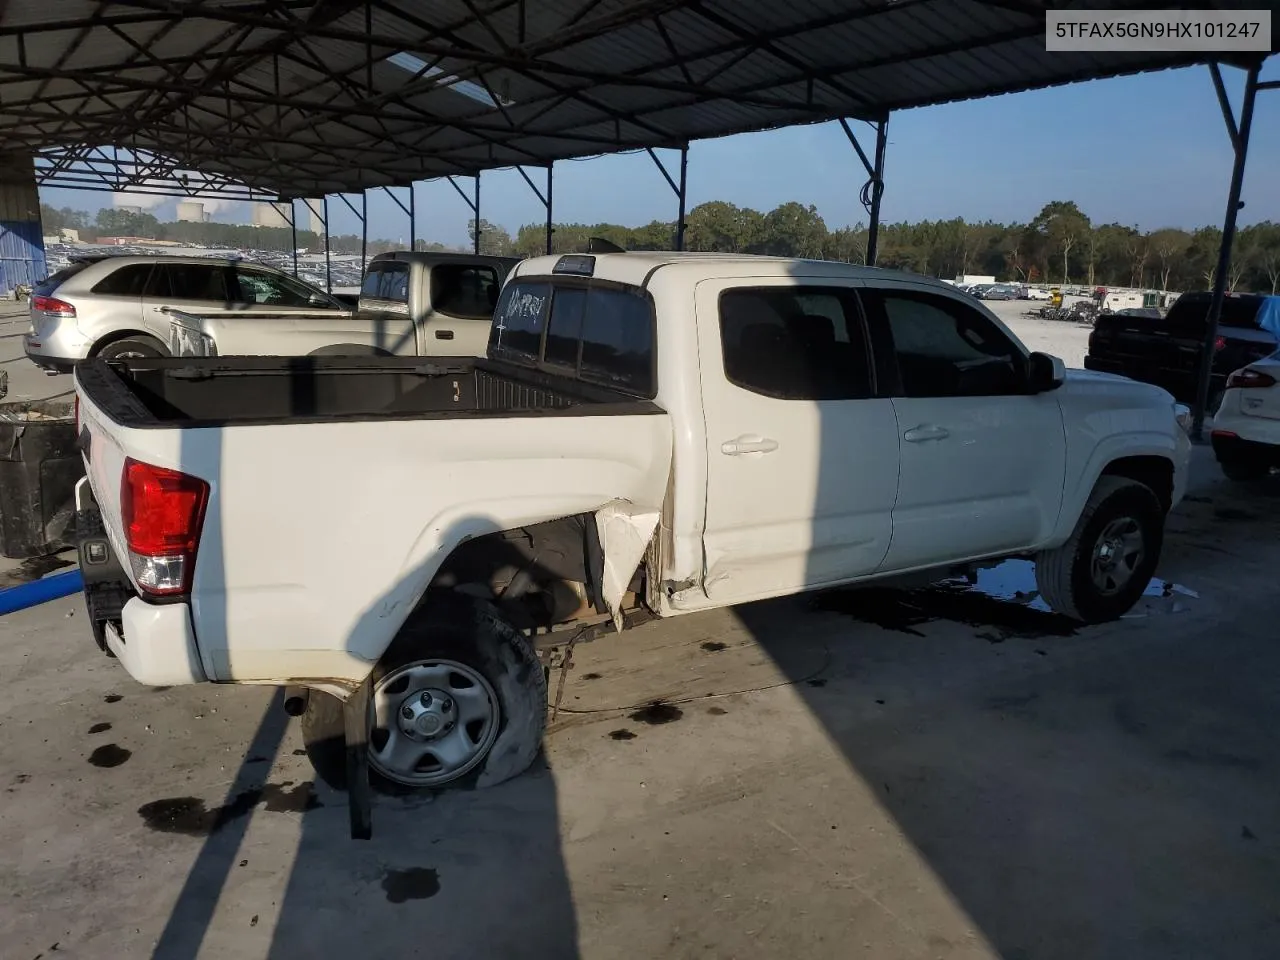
{"points": [[1147, 151]]}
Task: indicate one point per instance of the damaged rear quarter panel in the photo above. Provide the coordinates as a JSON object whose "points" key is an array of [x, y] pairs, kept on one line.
{"points": [[318, 588]]}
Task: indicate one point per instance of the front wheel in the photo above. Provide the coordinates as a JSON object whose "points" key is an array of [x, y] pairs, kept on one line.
{"points": [[1102, 570], [458, 700]]}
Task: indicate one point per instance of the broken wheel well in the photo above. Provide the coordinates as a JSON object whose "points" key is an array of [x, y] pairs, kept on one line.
{"points": [[1156, 472], [540, 574]]}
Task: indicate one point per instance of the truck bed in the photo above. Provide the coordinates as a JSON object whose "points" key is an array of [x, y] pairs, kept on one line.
{"points": [[266, 390]]}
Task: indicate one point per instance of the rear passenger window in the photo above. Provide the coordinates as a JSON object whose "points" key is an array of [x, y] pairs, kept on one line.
{"points": [[128, 281], [945, 348], [189, 281], [462, 291], [795, 344]]}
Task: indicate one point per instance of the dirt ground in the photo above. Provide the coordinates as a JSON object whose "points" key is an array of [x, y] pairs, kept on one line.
{"points": [[936, 774]]}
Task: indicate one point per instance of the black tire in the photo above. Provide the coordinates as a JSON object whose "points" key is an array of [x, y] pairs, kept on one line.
{"points": [[472, 633], [138, 345], [1065, 575], [1244, 471]]}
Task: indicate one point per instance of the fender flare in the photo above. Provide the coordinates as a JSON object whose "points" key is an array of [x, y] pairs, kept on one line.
{"points": [[1146, 443]]}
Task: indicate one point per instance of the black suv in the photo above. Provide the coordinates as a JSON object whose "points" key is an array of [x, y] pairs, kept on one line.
{"points": [[1166, 352]]}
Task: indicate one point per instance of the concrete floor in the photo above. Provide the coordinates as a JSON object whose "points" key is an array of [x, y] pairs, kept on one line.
{"points": [[886, 775]]}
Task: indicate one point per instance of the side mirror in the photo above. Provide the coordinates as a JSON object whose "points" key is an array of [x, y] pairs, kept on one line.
{"points": [[1046, 372]]}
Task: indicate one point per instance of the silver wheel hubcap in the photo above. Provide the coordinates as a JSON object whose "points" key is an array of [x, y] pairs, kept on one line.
{"points": [[432, 722], [1118, 552]]}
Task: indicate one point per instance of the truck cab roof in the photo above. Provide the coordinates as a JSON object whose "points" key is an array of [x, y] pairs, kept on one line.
{"points": [[635, 268]]}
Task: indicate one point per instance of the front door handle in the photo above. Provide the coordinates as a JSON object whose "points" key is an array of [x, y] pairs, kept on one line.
{"points": [[926, 431], [748, 443]]}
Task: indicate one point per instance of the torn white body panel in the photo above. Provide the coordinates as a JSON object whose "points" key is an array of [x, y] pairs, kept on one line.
{"points": [[625, 531]]}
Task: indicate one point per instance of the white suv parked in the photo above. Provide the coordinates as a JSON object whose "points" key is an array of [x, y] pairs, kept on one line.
{"points": [[113, 307]]}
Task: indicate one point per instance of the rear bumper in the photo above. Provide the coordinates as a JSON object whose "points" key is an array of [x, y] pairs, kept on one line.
{"points": [[48, 354], [158, 647], [1235, 449]]}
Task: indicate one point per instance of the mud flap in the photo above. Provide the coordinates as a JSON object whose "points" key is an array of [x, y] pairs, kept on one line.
{"points": [[625, 531], [355, 716]]}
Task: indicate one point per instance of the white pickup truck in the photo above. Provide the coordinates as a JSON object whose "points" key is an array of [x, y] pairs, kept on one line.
{"points": [[650, 434], [411, 304]]}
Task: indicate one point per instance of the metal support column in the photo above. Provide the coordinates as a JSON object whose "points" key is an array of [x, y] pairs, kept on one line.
{"points": [[476, 239], [873, 189], [473, 202], [551, 228], [293, 225], [544, 197], [1239, 134], [413, 218], [328, 265], [408, 210], [363, 215], [680, 188]]}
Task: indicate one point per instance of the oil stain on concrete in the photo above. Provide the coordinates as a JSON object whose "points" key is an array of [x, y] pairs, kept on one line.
{"points": [[657, 712], [109, 755], [415, 883], [190, 817]]}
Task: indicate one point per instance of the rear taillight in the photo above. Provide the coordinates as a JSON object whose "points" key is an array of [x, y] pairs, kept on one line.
{"points": [[1247, 379], [162, 511], [1219, 344], [54, 306]]}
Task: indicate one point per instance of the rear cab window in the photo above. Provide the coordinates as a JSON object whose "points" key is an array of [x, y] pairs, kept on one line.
{"points": [[595, 331], [1238, 313], [388, 280], [466, 291]]}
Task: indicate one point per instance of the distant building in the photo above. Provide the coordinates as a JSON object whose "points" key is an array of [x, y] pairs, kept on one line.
{"points": [[314, 221], [191, 212], [129, 209], [274, 215]]}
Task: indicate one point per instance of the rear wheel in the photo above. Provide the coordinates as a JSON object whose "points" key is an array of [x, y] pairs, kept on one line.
{"points": [[138, 346], [1102, 570], [459, 700]]}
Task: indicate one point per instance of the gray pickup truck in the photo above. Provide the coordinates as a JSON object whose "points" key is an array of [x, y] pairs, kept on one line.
{"points": [[411, 304]]}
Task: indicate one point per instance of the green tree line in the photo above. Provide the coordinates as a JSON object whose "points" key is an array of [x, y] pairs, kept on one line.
{"points": [[1059, 245]]}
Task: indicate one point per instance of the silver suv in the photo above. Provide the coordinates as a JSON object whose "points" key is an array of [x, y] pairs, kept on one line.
{"points": [[114, 306]]}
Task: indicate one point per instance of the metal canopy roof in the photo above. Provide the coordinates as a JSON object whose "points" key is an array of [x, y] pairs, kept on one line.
{"points": [[307, 97]]}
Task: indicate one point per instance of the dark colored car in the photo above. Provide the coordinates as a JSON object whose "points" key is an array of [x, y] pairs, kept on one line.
{"points": [[1166, 351]]}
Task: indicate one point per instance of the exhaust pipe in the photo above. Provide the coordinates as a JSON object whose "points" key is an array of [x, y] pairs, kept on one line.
{"points": [[295, 700]]}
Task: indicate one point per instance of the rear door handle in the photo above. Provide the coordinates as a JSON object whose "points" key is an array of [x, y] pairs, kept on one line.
{"points": [[748, 443], [925, 432]]}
